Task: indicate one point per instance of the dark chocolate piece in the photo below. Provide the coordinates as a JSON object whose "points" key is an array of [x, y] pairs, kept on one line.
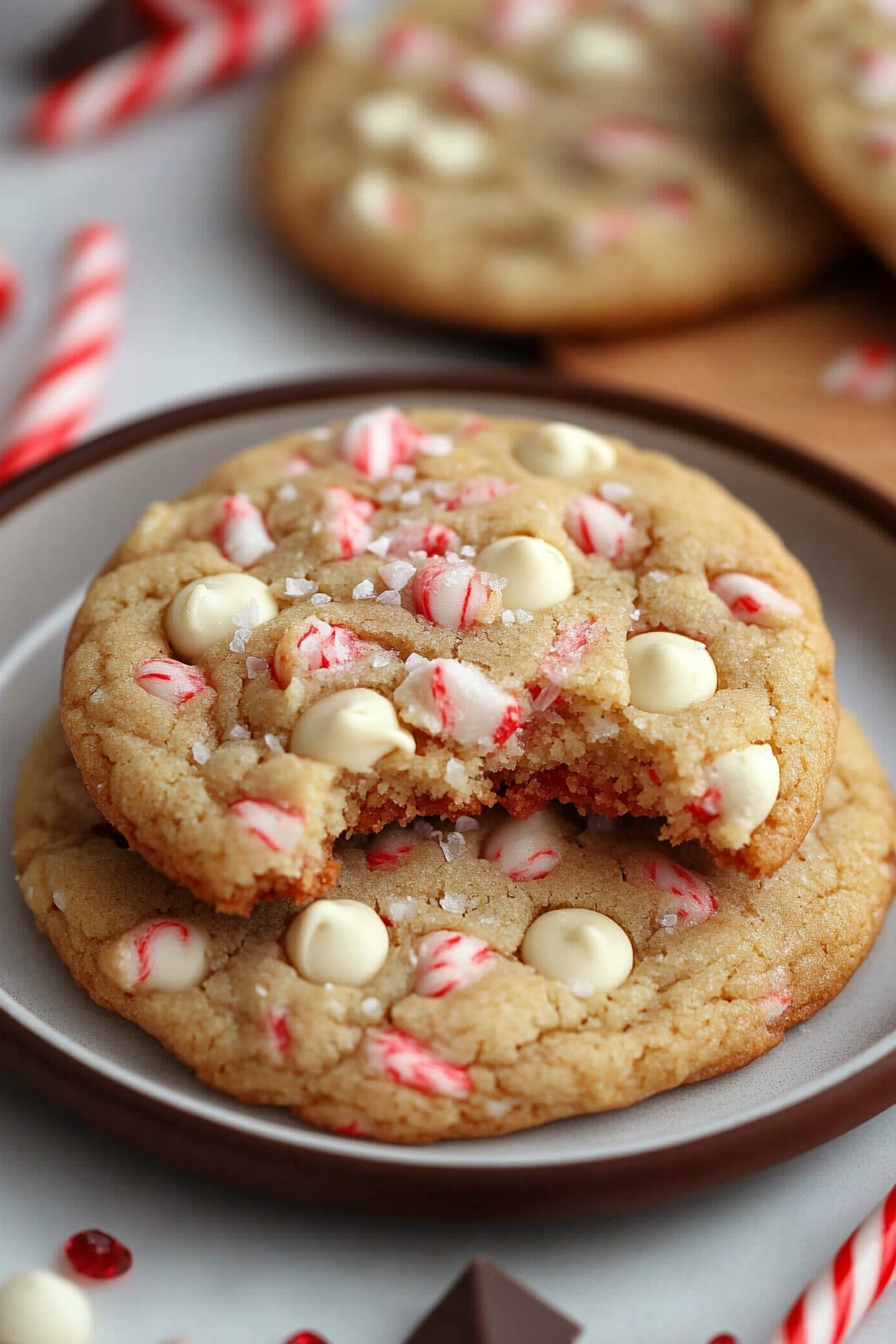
{"points": [[487, 1306], [103, 30]]}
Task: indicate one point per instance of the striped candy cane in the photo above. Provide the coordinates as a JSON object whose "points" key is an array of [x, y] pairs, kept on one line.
{"points": [[840, 1298], [173, 68], [182, 13], [56, 404], [9, 286]]}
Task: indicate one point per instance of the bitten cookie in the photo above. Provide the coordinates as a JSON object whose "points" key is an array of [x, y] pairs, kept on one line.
{"points": [[533, 165], [396, 616], [825, 72], [468, 982]]}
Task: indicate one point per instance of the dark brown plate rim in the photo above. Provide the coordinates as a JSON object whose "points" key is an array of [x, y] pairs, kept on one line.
{"points": [[356, 1181]]}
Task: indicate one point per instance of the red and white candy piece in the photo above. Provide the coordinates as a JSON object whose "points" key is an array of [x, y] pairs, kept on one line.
{"points": [[874, 83], [879, 142], [376, 442], [375, 201], [162, 954], [172, 68], [318, 647], [489, 89], [278, 828], [448, 960], [240, 532], [601, 229], [453, 699], [674, 201], [274, 1027], [839, 1299], [691, 898], [182, 13], [169, 680], [526, 849], [450, 593], [391, 848], [752, 600], [347, 522], [415, 48], [53, 409], [515, 22], [431, 538], [410, 1063], [621, 140], [569, 647], [9, 286], [866, 372], [599, 528], [478, 492]]}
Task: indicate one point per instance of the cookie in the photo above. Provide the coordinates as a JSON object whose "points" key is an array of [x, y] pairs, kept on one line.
{"points": [[825, 73], [531, 165], [396, 616], [468, 983]]}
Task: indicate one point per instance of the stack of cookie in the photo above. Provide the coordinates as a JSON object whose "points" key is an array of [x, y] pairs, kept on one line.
{"points": [[438, 775]]}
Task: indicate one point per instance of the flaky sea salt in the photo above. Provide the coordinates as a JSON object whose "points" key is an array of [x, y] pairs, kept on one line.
{"points": [[300, 587], [371, 1007], [256, 667], [414, 660], [597, 728], [59, 899], [453, 902], [583, 989], [464, 824], [494, 582], [249, 616], [658, 575], [546, 697], [404, 472], [363, 590], [411, 498], [425, 828], [467, 552], [273, 743], [261, 991], [381, 545], [201, 753], [615, 491], [320, 599], [316, 527], [288, 492], [390, 493], [380, 660], [668, 921], [239, 731], [523, 617], [500, 1106], [435, 445], [397, 574], [453, 845], [398, 910], [97, 696], [238, 643], [508, 618], [390, 598]]}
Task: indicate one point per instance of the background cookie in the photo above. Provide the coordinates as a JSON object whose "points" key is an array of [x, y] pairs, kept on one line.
{"points": [[825, 72], [448, 610], [421, 1020], [518, 166]]}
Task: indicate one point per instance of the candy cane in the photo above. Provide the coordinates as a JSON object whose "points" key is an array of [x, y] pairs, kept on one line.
{"points": [[840, 1298], [9, 286], [172, 68], [182, 13], [56, 404]]}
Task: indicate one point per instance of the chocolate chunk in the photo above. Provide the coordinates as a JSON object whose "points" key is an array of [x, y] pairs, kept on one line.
{"points": [[487, 1306], [104, 30]]}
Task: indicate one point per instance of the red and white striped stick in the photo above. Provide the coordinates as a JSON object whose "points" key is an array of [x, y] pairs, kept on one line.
{"points": [[54, 407], [184, 13], [9, 286], [840, 1298], [172, 68]]}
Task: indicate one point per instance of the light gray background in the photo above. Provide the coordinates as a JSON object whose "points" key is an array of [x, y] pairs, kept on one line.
{"points": [[211, 306]]}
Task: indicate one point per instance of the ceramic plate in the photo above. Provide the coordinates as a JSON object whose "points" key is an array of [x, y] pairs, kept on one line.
{"points": [[56, 528]]}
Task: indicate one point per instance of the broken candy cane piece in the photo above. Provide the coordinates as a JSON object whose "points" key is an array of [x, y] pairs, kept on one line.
{"points": [[391, 848], [346, 519], [164, 954], [169, 680], [279, 828], [752, 600], [525, 849], [625, 140], [478, 492], [692, 900], [450, 593], [415, 47], [410, 1063], [568, 648], [318, 647], [433, 538], [490, 89], [449, 698], [448, 960], [239, 531], [599, 528], [377, 441], [515, 22]]}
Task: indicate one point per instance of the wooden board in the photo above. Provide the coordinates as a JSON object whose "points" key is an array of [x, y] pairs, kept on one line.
{"points": [[765, 369]]}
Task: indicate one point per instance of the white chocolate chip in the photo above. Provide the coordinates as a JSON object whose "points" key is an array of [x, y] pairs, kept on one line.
{"points": [[579, 947], [42, 1308], [599, 47], [451, 148], [337, 942], [749, 781], [352, 729], [537, 574], [564, 452], [668, 672], [386, 120], [204, 611]]}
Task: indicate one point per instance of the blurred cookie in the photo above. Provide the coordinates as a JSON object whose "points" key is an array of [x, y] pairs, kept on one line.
{"points": [[825, 72], [529, 165], [535, 970]]}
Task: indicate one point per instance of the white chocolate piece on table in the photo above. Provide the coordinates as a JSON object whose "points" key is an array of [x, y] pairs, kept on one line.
{"points": [[749, 781], [206, 610], [537, 574], [579, 947], [668, 672], [38, 1307], [352, 729], [337, 942], [564, 452]]}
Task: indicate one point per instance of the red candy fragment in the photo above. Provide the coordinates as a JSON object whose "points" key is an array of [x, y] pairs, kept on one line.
{"points": [[724, 1339], [305, 1337], [96, 1255]]}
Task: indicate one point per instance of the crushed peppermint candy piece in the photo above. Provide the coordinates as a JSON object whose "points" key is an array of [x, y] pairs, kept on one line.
{"points": [[410, 1063], [477, 492], [380, 546], [569, 646], [239, 531], [448, 961], [690, 896], [377, 441], [168, 680], [454, 699], [865, 372], [517, 22], [423, 537], [317, 647], [624, 139], [450, 593], [489, 89], [874, 83], [415, 47], [391, 848], [410, 498], [347, 521], [525, 849], [298, 466], [599, 528], [752, 600], [161, 954], [279, 828], [300, 587], [256, 667]]}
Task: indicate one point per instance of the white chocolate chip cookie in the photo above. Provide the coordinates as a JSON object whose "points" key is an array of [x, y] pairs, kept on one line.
{"points": [[427, 614], [467, 981]]}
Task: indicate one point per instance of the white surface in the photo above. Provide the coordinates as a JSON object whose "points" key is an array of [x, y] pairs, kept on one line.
{"points": [[212, 306]]}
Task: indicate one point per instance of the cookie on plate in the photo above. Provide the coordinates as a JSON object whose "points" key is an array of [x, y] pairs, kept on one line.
{"points": [[825, 72], [468, 985], [427, 614], [533, 165]]}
